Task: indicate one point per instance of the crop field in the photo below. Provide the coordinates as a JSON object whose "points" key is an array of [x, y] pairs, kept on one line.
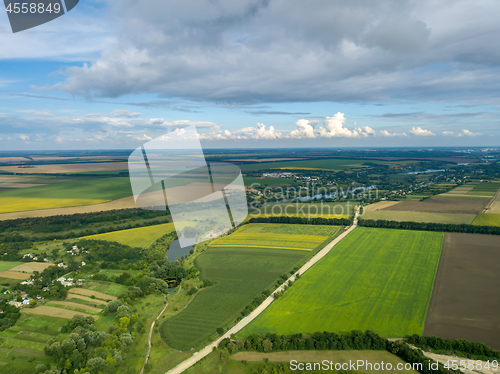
{"points": [[324, 164], [21, 204], [419, 216], [240, 273], [124, 203], [306, 210], [111, 289], [14, 275], [82, 189], [26, 339], [274, 235], [141, 237], [53, 311], [6, 265], [76, 306], [485, 189], [376, 279], [85, 292], [487, 219], [30, 267], [465, 302], [439, 204]]}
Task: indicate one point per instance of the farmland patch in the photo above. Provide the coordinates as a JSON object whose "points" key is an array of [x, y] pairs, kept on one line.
{"points": [[376, 279], [465, 303], [241, 270], [21, 204], [419, 217], [440, 204], [52, 311], [89, 293]]}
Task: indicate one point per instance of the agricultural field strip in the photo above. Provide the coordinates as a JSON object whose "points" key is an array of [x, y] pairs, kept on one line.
{"points": [[376, 279], [197, 356], [53, 311], [85, 292], [21, 204], [494, 205]]}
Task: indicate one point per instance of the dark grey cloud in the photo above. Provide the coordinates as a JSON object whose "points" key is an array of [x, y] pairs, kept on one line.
{"points": [[254, 51]]}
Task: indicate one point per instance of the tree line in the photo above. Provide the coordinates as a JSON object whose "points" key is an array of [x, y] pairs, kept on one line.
{"points": [[303, 221], [355, 340], [430, 226]]}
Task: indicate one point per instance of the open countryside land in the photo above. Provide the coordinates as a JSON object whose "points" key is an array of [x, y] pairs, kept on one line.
{"points": [[375, 279], [378, 279]]}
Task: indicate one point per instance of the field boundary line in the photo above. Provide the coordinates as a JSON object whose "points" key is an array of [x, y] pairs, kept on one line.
{"points": [[151, 331], [199, 355]]}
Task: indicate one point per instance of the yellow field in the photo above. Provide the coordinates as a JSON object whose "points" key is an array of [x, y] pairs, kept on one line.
{"points": [[30, 267], [21, 204], [14, 275], [53, 311], [141, 237], [279, 236], [301, 215], [75, 292]]}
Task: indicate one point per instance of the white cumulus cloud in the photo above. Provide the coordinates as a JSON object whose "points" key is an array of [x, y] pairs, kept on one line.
{"points": [[418, 131], [387, 133], [304, 129]]}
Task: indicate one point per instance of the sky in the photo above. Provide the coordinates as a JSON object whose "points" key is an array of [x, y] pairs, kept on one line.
{"points": [[254, 74]]}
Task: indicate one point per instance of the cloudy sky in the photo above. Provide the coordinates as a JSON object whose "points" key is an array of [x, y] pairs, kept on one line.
{"points": [[250, 73]]}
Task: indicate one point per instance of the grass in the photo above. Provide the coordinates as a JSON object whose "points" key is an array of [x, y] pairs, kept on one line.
{"points": [[108, 288], [92, 188], [487, 219], [275, 235], [419, 216], [376, 279], [21, 204], [26, 339], [141, 237], [240, 269], [6, 265]]}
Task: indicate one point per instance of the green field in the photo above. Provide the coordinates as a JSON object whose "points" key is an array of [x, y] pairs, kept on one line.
{"points": [[26, 340], [485, 189], [240, 274], [487, 219], [277, 236], [141, 237], [376, 279], [419, 217], [6, 265], [325, 164], [92, 188]]}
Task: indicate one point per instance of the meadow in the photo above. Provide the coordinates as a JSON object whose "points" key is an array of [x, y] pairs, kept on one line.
{"points": [[376, 279], [275, 235], [240, 271], [22, 204], [487, 219], [26, 340], [324, 164], [419, 217], [141, 237], [6, 265], [82, 188]]}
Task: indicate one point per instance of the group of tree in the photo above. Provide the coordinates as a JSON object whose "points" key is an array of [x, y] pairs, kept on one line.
{"points": [[8, 316], [430, 226], [356, 340], [457, 347], [87, 350]]}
